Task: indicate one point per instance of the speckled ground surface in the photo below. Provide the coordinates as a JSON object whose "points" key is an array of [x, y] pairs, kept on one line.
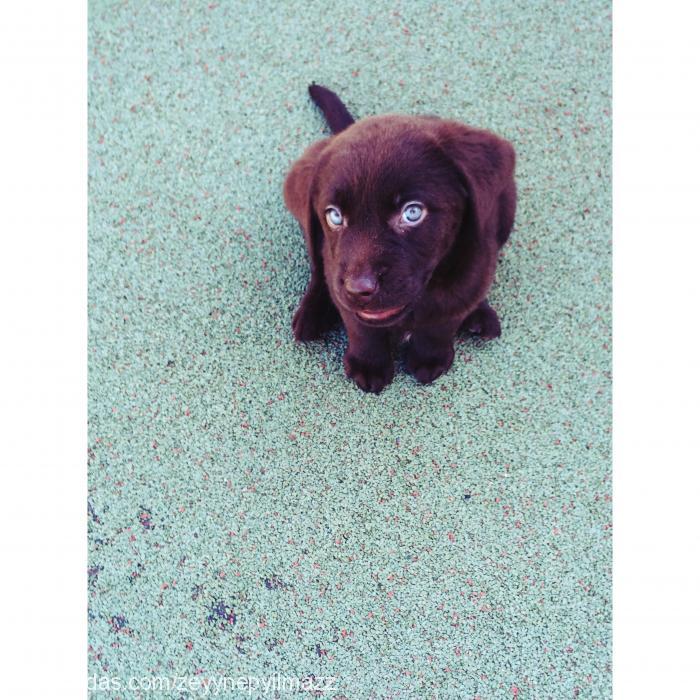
{"points": [[250, 511]]}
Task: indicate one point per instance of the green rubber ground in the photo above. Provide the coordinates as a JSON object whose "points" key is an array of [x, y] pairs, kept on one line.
{"points": [[251, 512]]}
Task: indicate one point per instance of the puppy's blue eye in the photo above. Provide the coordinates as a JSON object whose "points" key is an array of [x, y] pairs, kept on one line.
{"points": [[333, 216], [412, 213]]}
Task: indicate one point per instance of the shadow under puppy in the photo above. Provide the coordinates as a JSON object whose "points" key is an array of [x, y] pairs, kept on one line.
{"points": [[403, 218]]}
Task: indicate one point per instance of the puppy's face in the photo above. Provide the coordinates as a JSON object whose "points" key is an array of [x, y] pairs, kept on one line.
{"points": [[390, 204]]}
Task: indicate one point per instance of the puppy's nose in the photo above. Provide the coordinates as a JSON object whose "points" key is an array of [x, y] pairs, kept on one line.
{"points": [[363, 286]]}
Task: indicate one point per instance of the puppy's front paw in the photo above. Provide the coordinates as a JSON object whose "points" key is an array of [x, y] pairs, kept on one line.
{"points": [[315, 315], [426, 368], [306, 324], [483, 322], [368, 376]]}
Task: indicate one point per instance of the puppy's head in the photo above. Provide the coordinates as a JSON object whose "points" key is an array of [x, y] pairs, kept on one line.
{"points": [[388, 206]]}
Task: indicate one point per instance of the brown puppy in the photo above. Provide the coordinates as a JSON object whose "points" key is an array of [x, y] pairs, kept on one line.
{"points": [[403, 218]]}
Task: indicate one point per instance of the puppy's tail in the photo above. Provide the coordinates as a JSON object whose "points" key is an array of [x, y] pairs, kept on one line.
{"points": [[335, 112]]}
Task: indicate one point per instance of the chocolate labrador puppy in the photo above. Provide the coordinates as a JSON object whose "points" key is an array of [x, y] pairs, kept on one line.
{"points": [[403, 219]]}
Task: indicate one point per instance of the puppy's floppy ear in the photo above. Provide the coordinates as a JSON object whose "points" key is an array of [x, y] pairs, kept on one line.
{"points": [[486, 164], [298, 196]]}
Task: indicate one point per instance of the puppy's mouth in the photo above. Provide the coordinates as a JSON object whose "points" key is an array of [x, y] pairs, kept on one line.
{"points": [[380, 316]]}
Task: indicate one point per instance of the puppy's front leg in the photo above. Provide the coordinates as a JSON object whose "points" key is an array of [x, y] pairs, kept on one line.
{"points": [[368, 359], [431, 351]]}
